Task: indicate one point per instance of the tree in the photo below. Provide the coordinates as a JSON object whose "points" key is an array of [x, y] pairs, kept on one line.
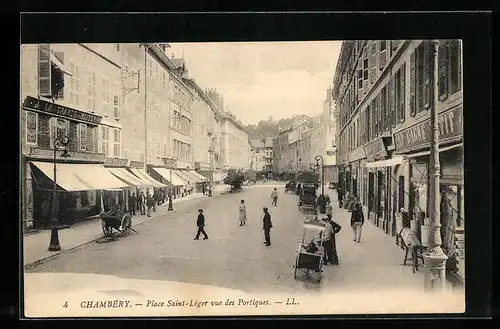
{"points": [[308, 177], [235, 178], [250, 175]]}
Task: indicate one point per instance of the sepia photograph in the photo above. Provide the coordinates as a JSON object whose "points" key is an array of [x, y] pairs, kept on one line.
{"points": [[167, 179]]}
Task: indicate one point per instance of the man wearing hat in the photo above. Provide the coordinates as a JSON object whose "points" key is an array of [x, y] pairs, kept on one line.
{"points": [[267, 226], [200, 222]]}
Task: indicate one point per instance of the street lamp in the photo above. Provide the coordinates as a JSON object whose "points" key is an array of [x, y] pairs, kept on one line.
{"points": [[318, 158], [434, 256], [211, 152], [54, 225], [170, 205]]}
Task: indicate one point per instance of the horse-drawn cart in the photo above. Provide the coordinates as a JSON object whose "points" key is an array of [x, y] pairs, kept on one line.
{"points": [[116, 219]]}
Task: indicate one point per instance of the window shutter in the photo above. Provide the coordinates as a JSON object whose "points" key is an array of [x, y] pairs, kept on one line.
{"points": [[387, 110], [392, 102], [413, 83], [31, 128], [82, 132], [443, 55], [427, 74], [383, 55], [90, 139], [116, 107], [402, 93], [373, 61], [44, 71], [455, 63]]}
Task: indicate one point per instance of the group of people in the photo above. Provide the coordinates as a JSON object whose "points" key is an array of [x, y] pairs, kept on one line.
{"points": [[352, 205], [146, 203]]}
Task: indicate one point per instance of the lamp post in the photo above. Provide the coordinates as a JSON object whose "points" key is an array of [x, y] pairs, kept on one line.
{"points": [[170, 205], [435, 258], [211, 152], [318, 158], [54, 225]]}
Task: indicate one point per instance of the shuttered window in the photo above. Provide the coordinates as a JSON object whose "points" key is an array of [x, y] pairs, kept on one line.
{"points": [[443, 69], [91, 82], [105, 97], [413, 84], [116, 107], [105, 140], [383, 54], [384, 102], [44, 71], [57, 128], [117, 143], [400, 94], [455, 66], [82, 136], [392, 101], [373, 61], [375, 116], [31, 128], [427, 74]]}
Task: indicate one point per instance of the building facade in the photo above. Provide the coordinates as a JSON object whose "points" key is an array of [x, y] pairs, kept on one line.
{"points": [[68, 90], [383, 89], [262, 157], [280, 149], [235, 146]]}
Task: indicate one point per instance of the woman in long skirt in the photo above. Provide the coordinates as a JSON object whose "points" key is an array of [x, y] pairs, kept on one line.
{"points": [[243, 213]]}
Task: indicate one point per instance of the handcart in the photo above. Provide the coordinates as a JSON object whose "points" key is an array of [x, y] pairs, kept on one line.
{"points": [[307, 197], [309, 256], [116, 219]]}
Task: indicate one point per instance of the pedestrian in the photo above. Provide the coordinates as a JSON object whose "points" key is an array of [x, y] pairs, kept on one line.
{"points": [[274, 196], [203, 188], [149, 203], [357, 221], [328, 208], [340, 196], [329, 243], [267, 225], [132, 202], [200, 223], [321, 202], [142, 203], [155, 198], [243, 213]]}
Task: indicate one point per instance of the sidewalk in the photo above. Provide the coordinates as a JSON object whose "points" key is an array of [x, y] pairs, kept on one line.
{"points": [[35, 245], [376, 260]]}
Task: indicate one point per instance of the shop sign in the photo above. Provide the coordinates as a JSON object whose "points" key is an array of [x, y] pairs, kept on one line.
{"points": [[169, 162], [115, 162], [38, 105], [45, 153], [136, 164], [419, 136], [357, 154], [376, 149]]}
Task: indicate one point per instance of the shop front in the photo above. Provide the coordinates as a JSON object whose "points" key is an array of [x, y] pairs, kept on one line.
{"points": [[378, 182], [355, 175], [414, 143]]}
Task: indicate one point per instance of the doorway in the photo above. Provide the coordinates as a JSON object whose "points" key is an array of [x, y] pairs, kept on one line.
{"points": [[371, 190]]}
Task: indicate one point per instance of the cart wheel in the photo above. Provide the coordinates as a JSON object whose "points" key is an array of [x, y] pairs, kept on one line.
{"points": [[107, 230], [126, 224]]}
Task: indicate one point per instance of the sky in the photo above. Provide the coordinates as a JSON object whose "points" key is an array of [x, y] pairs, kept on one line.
{"points": [[263, 79]]}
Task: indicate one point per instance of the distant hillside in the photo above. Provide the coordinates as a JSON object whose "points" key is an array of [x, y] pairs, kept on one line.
{"points": [[271, 128]]}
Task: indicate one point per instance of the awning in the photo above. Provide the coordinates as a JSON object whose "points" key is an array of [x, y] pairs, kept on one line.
{"points": [[180, 176], [81, 177], [441, 149], [192, 176], [201, 177], [397, 160], [185, 176], [129, 178], [165, 173], [142, 174], [59, 64]]}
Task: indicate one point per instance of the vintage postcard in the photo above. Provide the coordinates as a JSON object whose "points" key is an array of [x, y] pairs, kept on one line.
{"points": [[242, 178]]}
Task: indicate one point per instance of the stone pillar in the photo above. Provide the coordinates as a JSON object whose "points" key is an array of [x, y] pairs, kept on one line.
{"points": [[27, 200]]}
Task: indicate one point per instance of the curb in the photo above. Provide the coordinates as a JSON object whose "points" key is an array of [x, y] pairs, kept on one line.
{"points": [[65, 251]]}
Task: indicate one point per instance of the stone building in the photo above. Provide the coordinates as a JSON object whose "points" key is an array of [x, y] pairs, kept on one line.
{"points": [[383, 91], [68, 90]]}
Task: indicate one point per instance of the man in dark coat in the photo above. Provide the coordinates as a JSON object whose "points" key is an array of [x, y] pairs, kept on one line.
{"points": [[329, 243], [340, 194], [141, 203], [267, 225], [200, 222], [149, 203], [132, 203]]}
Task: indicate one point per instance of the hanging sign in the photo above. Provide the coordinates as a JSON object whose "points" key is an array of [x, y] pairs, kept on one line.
{"points": [[115, 162], [38, 105], [376, 149]]}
